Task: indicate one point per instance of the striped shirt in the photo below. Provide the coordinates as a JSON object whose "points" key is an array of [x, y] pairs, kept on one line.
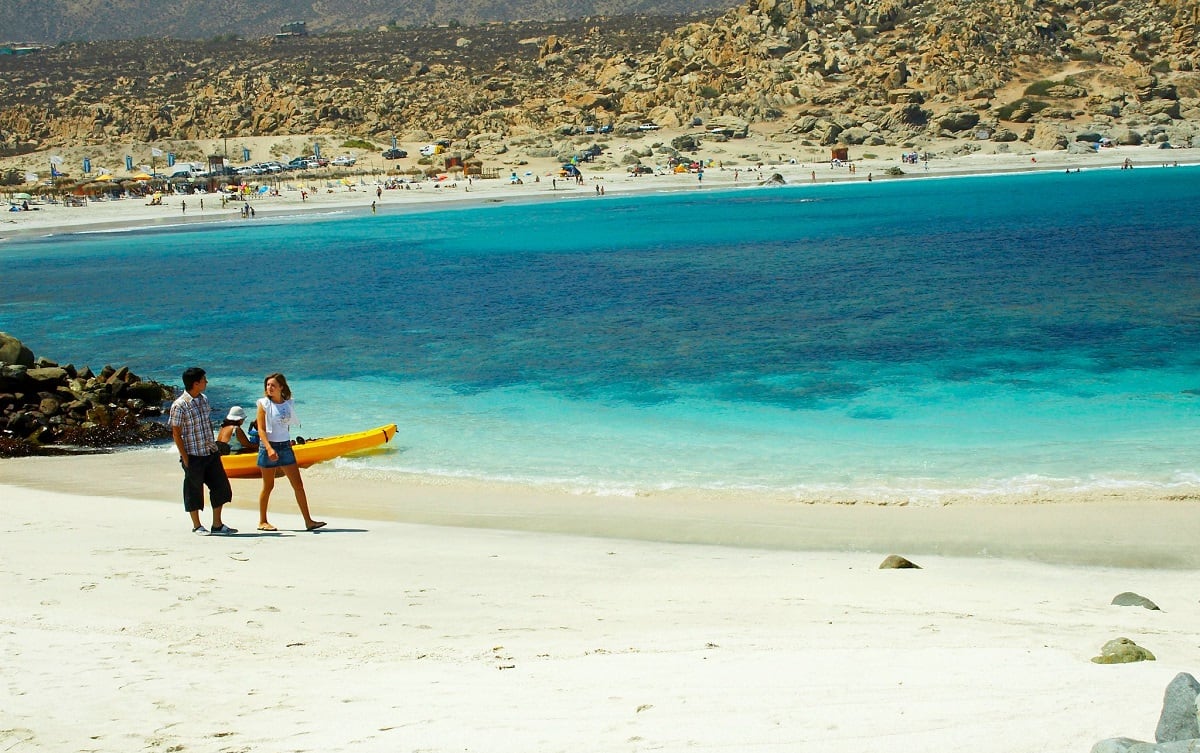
{"points": [[191, 415]]}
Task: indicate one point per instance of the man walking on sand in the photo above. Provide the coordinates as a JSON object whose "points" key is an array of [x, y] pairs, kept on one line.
{"points": [[191, 426]]}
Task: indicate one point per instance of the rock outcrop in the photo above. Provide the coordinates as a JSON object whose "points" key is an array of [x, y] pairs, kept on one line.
{"points": [[45, 407]]}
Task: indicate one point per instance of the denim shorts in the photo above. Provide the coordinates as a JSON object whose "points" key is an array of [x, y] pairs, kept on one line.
{"points": [[283, 455]]}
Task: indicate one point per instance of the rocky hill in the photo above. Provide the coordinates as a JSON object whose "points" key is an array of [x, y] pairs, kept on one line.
{"points": [[875, 72], [888, 71]]}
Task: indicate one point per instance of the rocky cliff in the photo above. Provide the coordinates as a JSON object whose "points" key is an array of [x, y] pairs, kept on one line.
{"points": [[860, 72]]}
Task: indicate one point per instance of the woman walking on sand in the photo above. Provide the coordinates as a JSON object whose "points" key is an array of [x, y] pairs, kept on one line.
{"points": [[276, 414]]}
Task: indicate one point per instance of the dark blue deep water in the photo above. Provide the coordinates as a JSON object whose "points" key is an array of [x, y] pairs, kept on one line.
{"points": [[907, 338]]}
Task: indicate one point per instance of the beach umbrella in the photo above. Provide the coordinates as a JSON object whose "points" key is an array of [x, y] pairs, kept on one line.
{"points": [[22, 196], [142, 176], [105, 176]]}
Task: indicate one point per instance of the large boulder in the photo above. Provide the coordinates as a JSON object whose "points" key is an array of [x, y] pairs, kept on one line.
{"points": [[958, 119], [1046, 138], [1178, 719], [1128, 137], [13, 351], [46, 376]]}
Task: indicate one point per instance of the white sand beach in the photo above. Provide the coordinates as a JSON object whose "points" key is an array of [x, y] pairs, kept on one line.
{"points": [[742, 163], [447, 618], [458, 616]]}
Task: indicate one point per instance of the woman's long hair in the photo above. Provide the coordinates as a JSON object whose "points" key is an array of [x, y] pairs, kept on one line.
{"points": [[284, 391]]}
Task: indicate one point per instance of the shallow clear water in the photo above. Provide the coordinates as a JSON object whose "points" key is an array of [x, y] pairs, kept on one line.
{"points": [[892, 339]]}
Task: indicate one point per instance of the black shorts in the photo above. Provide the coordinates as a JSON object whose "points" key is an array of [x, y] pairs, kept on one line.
{"points": [[202, 471]]}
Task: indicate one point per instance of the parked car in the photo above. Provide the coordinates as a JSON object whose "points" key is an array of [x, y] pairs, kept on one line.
{"points": [[344, 161], [606, 128], [648, 127], [395, 154], [298, 163], [589, 129]]}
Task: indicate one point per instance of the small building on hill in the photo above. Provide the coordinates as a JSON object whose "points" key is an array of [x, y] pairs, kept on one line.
{"points": [[293, 29]]}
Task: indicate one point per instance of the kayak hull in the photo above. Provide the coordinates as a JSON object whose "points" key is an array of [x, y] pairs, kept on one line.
{"points": [[245, 465]]}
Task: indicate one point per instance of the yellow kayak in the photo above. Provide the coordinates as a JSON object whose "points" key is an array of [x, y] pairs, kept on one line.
{"points": [[245, 465]]}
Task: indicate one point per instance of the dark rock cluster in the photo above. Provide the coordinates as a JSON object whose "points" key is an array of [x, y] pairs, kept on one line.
{"points": [[46, 408]]}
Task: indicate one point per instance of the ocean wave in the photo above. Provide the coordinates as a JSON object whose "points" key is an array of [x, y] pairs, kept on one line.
{"points": [[923, 491]]}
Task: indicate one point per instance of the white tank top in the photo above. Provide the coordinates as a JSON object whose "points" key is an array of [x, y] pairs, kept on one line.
{"points": [[279, 417]]}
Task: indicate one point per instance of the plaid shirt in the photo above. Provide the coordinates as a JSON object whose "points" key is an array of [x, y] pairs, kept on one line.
{"points": [[191, 415]]}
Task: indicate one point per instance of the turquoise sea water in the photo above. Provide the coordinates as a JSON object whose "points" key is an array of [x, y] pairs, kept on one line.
{"points": [[895, 339]]}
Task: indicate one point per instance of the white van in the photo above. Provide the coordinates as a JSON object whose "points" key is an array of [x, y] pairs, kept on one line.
{"points": [[187, 170]]}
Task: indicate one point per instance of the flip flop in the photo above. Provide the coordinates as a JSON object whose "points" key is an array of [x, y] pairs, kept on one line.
{"points": [[316, 525], [266, 527]]}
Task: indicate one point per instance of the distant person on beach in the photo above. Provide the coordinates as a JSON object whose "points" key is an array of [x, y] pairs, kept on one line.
{"points": [[192, 430], [231, 429], [276, 415]]}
